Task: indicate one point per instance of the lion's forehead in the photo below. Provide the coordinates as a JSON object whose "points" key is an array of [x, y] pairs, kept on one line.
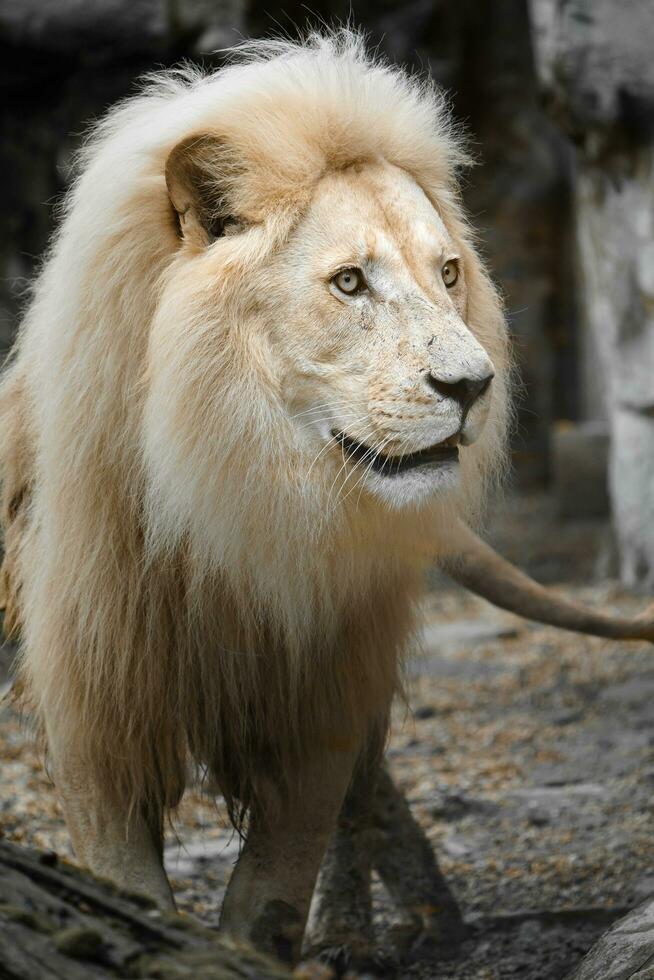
{"points": [[374, 214]]}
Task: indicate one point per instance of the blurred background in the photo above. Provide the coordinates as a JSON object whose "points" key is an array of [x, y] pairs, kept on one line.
{"points": [[557, 97], [527, 754]]}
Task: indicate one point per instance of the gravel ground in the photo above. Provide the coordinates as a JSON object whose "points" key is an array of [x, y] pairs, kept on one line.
{"points": [[527, 755]]}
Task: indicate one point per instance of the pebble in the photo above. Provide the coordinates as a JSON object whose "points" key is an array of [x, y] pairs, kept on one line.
{"points": [[79, 942]]}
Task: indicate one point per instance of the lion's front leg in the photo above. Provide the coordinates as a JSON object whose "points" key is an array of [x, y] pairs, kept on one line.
{"points": [[268, 897], [341, 927], [115, 841]]}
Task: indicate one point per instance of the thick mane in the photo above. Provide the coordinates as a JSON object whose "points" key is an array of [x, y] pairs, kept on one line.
{"points": [[146, 601]]}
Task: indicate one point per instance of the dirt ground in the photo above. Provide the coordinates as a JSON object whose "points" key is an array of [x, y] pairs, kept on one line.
{"points": [[527, 755]]}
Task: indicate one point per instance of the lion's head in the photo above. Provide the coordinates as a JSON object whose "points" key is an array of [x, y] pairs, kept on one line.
{"points": [[324, 297]]}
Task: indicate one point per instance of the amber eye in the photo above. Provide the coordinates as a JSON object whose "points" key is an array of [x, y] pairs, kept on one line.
{"points": [[450, 273], [349, 281]]}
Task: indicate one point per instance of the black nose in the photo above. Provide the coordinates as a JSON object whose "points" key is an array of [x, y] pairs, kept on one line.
{"points": [[465, 391]]}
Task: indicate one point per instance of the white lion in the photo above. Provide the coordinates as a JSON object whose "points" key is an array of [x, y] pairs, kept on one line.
{"points": [[262, 375]]}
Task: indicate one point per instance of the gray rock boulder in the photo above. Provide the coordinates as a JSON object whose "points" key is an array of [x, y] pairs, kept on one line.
{"points": [[595, 65], [625, 952]]}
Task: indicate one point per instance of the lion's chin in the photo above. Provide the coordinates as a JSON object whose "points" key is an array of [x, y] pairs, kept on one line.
{"points": [[406, 480], [415, 486]]}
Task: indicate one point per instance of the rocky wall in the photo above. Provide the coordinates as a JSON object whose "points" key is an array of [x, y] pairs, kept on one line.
{"points": [[596, 69]]}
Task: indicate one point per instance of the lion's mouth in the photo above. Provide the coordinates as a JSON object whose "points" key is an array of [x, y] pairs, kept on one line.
{"points": [[446, 451]]}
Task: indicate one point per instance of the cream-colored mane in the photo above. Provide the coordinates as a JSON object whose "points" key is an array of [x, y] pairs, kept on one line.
{"points": [[191, 577]]}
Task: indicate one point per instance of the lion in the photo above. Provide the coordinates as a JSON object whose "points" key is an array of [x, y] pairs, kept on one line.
{"points": [[262, 383]]}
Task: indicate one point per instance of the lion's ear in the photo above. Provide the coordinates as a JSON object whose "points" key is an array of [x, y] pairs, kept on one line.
{"points": [[197, 174]]}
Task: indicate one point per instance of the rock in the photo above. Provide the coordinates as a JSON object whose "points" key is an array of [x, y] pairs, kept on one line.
{"points": [[463, 632], [632, 472], [53, 918], [453, 806], [562, 792], [630, 693], [456, 847], [594, 59], [544, 806], [625, 952], [596, 68], [79, 942], [565, 717], [644, 887], [442, 638]]}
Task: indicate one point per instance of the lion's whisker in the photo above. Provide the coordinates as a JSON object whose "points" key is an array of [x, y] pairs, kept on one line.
{"points": [[361, 481], [333, 439], [309, 411], [373, 452], [368, 468], [347, 475], [365, 436]]}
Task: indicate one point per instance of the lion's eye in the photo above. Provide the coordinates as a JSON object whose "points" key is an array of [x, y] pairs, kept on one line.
{"points": [[349, 281], [450, 273]]}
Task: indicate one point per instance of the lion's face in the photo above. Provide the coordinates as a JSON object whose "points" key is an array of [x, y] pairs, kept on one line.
{"points": [[312, 349], [381, 377]]}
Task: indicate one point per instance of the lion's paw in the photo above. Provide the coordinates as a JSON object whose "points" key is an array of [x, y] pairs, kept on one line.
{"points": [[350, 960]]}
